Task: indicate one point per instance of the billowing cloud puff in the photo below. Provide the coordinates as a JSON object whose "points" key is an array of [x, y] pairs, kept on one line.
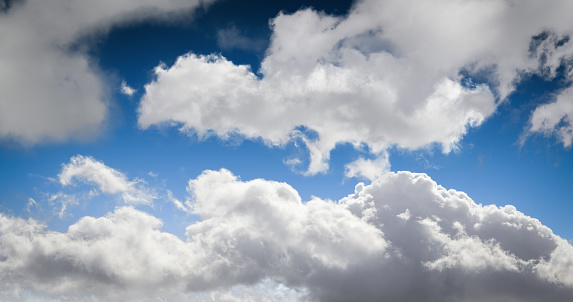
{"points": [[390, 73], [249, 231], [126, 89], [368, 168], [401, 238], [448, 248], [48, 91]]}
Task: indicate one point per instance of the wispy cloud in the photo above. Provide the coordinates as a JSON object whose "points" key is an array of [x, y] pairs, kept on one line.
{"points": [[233, 38], [127, 90], [87, 170]]}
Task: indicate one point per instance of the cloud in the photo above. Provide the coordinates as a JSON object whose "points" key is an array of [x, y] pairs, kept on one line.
{"points": [[232, 37], [49, 91], [265, 291], [249, 232], [65, 201], [368, 168], [186, 206], [401, 238], [31, 203], [108, 180], [125, 89], [390, 73], [554, 118]]}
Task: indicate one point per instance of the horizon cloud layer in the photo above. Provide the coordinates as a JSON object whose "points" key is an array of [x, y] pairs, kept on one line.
{"points": [[400, 238]]}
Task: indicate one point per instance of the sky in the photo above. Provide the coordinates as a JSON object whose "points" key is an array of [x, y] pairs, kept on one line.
{"points": [[223, 150]]}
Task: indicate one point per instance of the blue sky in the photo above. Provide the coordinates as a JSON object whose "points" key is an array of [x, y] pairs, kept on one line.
{"points": [[214, 117]]}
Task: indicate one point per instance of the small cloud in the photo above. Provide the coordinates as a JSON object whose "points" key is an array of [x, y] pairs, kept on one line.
{"points": [[127, 90], [427, 164], [292, 163], [31, 203], [108, 180], [368, 168], [406, 215], [553, 119], [233, 38], [65, 201], [186, 207]]}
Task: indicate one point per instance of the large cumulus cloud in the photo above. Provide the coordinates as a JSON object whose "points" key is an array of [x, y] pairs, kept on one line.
{"points": [[50, 92], [401, 238], [390, 73]]}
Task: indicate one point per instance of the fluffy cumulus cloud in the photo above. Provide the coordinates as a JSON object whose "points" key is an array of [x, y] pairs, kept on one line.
{"points": [[86, 169], [50, 92], [555, 118], [401, 238], [554, 53], [368, 168], [389, 73], [249, 232], [126, 89]]}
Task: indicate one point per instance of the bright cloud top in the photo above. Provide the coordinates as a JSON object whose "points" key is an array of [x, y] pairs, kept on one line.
{"points": [[401, 238], [50, 92], [390, 73], [87, 170], [126, 89], [555, 118]]}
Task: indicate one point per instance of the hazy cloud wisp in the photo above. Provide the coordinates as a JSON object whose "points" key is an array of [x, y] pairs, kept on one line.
{"points": [[49, 92]]}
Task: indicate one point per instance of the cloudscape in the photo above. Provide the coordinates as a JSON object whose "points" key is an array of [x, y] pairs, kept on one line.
{"points": [[224, 150]]}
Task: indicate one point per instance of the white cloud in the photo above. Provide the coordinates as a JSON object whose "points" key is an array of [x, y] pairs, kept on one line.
{"points": [[249, 232], [368, 168], [125, 89], [256, 238], [64, 201], [108, 180], [292, 162], [387, 74], [186, 206], [406, 215], [50, 93], [31, 203], [555, 118]]}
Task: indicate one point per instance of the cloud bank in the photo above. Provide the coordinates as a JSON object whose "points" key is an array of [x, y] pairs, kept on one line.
{"points": [[401, 238], [49, 91], [390, 73]]}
